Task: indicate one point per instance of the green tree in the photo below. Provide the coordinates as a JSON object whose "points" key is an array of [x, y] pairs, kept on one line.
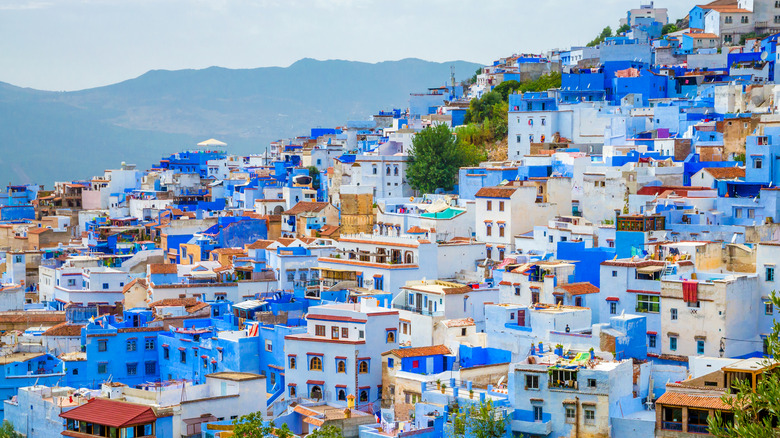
{"points": [[622, 29], [7, 430], [755, 412], [328, 431], [480, 420], [435, 157], [605, 33], [479, 109], [669, 28], [252, 426], [314, 173]]}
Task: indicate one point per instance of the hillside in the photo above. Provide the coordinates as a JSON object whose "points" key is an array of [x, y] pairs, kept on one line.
{"points": [[50, 136]]}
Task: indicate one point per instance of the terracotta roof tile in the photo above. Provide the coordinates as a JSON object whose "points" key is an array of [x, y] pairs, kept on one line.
{"points": [[163, 268], [496, 192], [259, 244], [672, 398], [726, 172], [64, 329], [329, 230], [419, 351], [575, 289], [111, 413], [306, 207]]}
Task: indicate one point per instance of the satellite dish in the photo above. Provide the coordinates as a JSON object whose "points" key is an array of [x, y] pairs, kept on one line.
{"points": [[764, 56]]}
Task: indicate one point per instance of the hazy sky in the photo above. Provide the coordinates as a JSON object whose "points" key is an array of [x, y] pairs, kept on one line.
{"points": [[75, 44]]}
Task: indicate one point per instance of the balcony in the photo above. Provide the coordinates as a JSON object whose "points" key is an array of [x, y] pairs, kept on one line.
{"points": [[419, 310], [523, 422], [669, 425], [698, 428]]}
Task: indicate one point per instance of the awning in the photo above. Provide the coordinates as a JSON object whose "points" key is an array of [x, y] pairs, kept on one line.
{"points": [[650, 269]]}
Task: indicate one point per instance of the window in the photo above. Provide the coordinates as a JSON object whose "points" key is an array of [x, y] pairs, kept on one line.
{"points": [[273, 378], [751, 213], [291, 276], [334, 332], [578, 301], [777, 19], [390, 362], [363, 367], [269, 346], [738, 213], [551, 238], [745, 19], [131, 345], [700, 346], [292, 362], [415, 364], [534, 297], [102, 367], [489, 205], [673, 343], [614, 273], [729, 19], [648, 303], [364, 396], [183, 356], [344, 332], [500, 205], [102, 345], [150, 367], [292, 391], [651, 341], [570, 415], [538, 413], [590, 416], [361, 335], [770, 273], [315, 364], [341, 366], [531, 381], [500, 231], [149, 344], [166, 353], [390, 337], [319, 330], [132, 369], [488, 252], [488, 230], [769, 308], [613, 308], [758, 163], [673, 314]]}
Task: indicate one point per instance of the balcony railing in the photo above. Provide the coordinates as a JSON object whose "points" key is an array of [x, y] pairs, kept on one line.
{"points": [[698, 428], [420, 310], [669, 425]]}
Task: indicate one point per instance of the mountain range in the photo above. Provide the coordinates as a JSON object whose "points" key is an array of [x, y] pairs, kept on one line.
{"points": [[48, 136]]}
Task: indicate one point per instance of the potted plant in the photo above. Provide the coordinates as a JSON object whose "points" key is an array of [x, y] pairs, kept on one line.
{"points": [[559, 349], [443, 387], [438, 383], [471, 393]]}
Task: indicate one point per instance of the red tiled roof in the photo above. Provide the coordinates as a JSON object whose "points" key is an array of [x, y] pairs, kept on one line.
{"points": [[579, 288], [306, 207], [111, 413], [726, 172], [329, 230], [160, 268], [671, 398], [259, 244], [64, 329], [416, 230], [496, 192], [419, 351]]}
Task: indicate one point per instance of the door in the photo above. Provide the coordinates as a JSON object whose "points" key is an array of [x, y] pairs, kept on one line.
{"points": [[418, 302], [429, 365]]}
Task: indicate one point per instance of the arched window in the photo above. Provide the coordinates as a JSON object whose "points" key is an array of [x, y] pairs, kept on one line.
{"points": [[408, 258], [373, 168], [341, 367], [387, 172], [363, 367], [363, 396], [292, 391], [316, 392], [390, 337], [395, 171], [315, 364], [292, 363], [342, 394]]}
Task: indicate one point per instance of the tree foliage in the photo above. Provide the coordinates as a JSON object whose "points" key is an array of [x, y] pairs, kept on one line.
{"points": [[605, 33], [314, 173], [622, 29], [669, 28], [755, 413], [479, 421], [252, 426], [7, 430], [435, 157], [328, 431]]}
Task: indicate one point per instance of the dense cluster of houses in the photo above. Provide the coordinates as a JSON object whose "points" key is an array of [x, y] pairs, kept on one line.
{"points": [[610, 278]]}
